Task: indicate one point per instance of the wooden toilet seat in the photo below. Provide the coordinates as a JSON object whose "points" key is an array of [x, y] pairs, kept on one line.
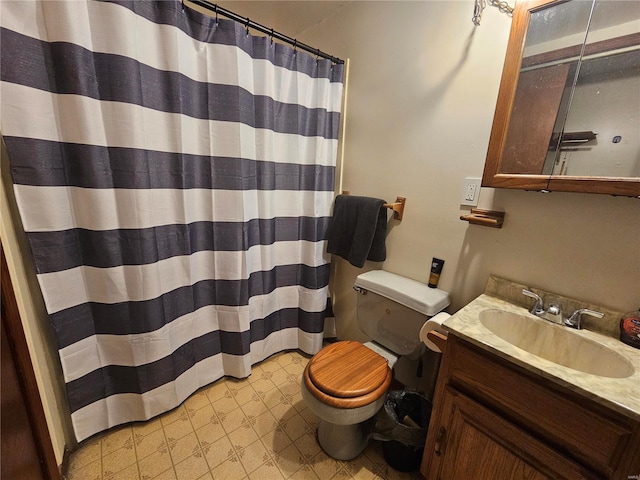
{"points": [[347, 374]]}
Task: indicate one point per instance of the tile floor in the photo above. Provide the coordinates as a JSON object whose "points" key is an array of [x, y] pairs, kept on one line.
{"points": [[255, 428]]}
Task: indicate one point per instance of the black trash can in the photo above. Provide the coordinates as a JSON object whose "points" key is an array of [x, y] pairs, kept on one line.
{"points": [[402, 427]]}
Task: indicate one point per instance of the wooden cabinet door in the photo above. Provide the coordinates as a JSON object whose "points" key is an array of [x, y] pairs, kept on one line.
{"points": [[535, 110], [473, 442], [25, 451]]}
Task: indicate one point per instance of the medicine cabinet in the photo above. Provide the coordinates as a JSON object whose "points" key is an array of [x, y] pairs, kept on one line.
{"points": [[568, 111]]}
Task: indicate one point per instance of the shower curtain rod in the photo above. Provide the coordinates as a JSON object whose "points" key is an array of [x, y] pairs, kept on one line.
{"points": [[212, 7]]}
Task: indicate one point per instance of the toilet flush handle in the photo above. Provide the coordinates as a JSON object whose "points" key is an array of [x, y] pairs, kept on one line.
{"points": [[360, 290]]}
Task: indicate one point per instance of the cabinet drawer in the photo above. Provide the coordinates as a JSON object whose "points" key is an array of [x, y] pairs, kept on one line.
{"points": [[573, 425]]}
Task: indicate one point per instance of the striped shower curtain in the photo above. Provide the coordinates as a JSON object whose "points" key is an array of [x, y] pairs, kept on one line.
{"points": [[174, 175]]}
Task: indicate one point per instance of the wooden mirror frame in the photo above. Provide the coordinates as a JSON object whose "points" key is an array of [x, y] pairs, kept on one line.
{"points": [[561, 183]]}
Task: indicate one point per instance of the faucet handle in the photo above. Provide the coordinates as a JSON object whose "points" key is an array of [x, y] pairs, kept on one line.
{"points": [[538, 307], [575, 320]]}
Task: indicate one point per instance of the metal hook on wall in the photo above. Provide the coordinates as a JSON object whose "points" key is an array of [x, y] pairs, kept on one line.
{"points": [[477, 11], [480, 5]]}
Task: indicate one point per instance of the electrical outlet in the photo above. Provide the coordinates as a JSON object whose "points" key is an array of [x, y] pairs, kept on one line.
{"points": [[470, 192]]}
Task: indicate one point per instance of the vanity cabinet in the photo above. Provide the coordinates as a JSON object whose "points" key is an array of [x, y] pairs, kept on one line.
{"points": [[499, 448], [494, 420]]}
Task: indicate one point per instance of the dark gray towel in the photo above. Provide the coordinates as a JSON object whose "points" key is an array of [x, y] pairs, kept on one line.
{"points": [[358, 229]]}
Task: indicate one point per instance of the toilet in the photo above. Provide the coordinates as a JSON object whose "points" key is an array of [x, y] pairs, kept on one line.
{"points": [[346, 383]]}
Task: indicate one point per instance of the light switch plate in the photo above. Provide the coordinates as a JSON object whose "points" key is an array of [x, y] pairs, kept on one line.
{"points": [[470, 192]]}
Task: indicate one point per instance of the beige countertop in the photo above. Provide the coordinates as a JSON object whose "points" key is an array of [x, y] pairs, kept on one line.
{"points": [[619, 394]]}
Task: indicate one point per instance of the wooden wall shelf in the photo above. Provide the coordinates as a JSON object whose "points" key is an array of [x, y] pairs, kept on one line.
{"points": [[486, 218]]}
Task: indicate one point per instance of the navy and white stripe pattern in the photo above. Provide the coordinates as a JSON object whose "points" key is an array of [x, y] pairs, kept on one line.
{"points": [[174, 177]]}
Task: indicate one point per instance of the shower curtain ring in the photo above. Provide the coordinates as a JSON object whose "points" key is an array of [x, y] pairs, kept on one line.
{"points": [[215, 9], [295, 45], [271, 36], [247, 25]]}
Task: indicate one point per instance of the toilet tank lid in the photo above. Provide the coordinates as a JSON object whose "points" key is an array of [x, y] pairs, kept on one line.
{"points": [[405, 291]]}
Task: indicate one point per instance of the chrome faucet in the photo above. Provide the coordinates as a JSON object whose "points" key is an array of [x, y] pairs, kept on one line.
{"points": [[538, 307], [575, 320], [554, 312]]}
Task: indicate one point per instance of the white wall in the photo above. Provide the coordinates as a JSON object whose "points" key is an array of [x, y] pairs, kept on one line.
{"points": [[422, 91]]}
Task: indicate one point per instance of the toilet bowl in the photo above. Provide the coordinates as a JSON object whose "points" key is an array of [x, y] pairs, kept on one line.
{"points": [[346, 383]]}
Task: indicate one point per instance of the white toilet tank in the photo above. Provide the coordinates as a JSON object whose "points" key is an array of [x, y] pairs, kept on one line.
{"points": [[392, 309]]}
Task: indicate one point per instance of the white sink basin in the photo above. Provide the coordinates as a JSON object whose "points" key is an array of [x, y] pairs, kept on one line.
{"points": [[557, 344]]}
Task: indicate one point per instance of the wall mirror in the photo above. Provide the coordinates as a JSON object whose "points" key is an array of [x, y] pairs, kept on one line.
{"points": [[568, 110]]}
